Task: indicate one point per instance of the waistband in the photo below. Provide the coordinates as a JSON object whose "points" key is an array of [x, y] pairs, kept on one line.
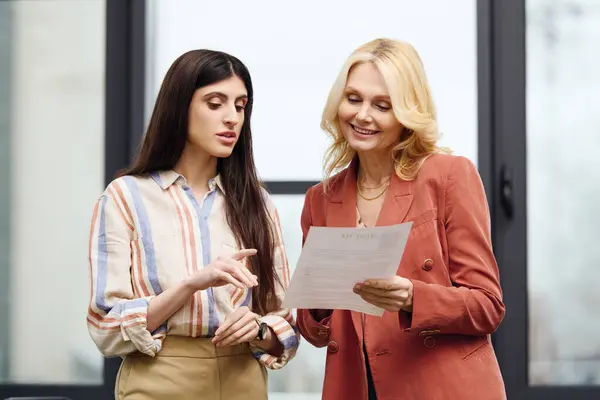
{"points": [[180, 346]]}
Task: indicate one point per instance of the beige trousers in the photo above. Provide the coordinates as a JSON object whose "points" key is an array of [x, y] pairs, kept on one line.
{"points": [[192, 369]]}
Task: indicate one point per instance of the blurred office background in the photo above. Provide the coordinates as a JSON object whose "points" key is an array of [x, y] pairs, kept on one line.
{"points": [[516, 93]]}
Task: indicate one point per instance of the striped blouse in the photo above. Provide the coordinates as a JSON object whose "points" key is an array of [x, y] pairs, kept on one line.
{"points": [[149, 233]]}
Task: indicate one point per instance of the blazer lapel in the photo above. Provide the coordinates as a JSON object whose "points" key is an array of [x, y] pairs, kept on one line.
{"points": [[397, 202], [341, 212]]}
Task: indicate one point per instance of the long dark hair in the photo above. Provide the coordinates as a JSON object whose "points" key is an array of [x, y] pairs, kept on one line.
{"points": [[165, 139]]}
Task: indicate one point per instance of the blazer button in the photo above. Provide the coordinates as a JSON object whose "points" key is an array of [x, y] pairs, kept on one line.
{"points": [[333, 347], [428, 264], [429, 342]]}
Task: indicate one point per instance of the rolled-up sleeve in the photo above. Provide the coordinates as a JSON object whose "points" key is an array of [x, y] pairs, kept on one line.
{"points": [[116, 319], [280, 320]]}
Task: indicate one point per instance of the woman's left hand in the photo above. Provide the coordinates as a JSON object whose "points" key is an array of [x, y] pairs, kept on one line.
{"points": [[393, 294], [239, 327]]}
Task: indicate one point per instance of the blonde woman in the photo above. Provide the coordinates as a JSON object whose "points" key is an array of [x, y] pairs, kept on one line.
{"points": [[384, 167]]}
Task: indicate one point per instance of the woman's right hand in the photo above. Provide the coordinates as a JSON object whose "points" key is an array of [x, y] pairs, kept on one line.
{"points": [[224, 270]]}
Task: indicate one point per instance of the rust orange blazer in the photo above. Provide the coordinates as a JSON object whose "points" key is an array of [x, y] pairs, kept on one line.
{"points": [[442, 350]]}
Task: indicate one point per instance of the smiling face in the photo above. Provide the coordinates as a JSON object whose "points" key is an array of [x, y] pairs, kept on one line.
{"points": [[365, 113], [216, 116]]}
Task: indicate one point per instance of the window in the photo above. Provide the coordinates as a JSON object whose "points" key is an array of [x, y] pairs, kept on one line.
{"points": [[51, 173], [562, 144]]}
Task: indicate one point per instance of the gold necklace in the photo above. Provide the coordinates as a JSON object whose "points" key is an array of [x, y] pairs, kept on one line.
{"points": [[372, 198], [375, 187]]}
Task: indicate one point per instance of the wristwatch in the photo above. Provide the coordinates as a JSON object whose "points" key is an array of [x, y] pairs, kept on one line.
{"points": [[262, 330]]}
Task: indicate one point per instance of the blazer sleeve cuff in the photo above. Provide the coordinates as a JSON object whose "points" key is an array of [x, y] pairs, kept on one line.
{"points": [[316, 332], [423, 315]]}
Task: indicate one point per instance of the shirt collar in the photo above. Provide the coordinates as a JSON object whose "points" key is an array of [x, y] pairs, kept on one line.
{"points": [[216, 182], [165, 179]]}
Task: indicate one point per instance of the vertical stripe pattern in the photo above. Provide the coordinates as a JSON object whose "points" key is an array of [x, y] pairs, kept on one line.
{"points": [[147, 234]]}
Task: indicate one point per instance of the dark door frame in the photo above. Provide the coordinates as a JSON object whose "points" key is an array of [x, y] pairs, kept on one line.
{"points": [[125, 97]]}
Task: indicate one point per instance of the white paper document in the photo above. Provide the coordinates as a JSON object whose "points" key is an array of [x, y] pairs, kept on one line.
{"points": [[333, 260]]}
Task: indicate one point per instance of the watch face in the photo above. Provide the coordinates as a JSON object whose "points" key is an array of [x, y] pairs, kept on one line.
{"points": [[262, 331]]}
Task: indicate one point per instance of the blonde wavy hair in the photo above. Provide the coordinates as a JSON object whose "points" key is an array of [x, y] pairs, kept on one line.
{"points": [[412, 104]]}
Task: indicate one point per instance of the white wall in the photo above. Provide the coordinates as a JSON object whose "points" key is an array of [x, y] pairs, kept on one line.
{"points": [[294, 52], [57, 175]]}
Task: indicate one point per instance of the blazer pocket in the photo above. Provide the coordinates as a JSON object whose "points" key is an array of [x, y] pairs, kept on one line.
{"points": [[476, 348], [424, 223], [424, 217]]}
